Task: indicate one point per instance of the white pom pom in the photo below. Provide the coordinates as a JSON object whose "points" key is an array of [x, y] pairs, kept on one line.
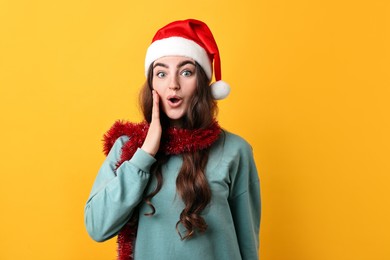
{"points": [[220, 90]]}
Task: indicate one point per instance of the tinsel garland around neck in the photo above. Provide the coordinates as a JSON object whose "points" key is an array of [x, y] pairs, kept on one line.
{"points": [[173, 141]]}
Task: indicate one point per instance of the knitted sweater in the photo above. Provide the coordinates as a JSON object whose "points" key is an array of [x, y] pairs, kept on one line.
{"points": [[233, 215]]}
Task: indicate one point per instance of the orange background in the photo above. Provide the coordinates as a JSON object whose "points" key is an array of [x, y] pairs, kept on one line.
{"points": [[310, 91]]}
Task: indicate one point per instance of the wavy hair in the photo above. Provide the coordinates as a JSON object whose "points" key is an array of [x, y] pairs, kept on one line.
{"points": [[191, 183]]}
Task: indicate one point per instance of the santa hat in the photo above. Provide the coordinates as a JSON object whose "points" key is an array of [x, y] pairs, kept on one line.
{"points": [[190, 38]]}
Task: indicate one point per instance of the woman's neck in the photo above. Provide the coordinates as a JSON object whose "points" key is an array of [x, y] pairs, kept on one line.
{"points": [[176, 123]]}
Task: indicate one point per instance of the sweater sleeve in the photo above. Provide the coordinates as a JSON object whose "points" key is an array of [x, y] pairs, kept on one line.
{"points": [[116, 192], [245, 204]]}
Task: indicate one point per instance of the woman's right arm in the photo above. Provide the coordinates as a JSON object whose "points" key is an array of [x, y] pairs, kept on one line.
{"points": [[116, 192]]}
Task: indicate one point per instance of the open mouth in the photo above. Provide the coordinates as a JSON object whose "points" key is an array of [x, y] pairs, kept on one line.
{"points": [[174, 100]]}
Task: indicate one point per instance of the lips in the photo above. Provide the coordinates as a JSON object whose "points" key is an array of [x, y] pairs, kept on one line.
{"points": [[174, 101]]}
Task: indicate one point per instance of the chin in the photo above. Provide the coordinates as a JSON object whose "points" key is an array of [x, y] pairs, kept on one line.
{"points": [[175, 119], [175, 115]]}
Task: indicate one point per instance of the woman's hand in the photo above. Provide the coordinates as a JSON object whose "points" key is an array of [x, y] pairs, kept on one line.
{"points": [[152, 140]]}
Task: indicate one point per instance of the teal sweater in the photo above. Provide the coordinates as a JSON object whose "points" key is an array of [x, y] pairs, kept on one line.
{"points": [[233, 215]]}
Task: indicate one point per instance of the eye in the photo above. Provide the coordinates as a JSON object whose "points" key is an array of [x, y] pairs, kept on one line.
{"points": [[160, 74], [186, 73]]}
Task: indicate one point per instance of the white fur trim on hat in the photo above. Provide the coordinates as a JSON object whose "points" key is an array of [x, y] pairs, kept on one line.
{"points": [[220, 89], [178, 46]]}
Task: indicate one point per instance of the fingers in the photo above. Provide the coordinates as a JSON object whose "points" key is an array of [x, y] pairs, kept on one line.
{"points": [[156, 106], [152, 140]]}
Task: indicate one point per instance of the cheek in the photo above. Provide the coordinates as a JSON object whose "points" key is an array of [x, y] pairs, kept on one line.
{"points": [[191, 88], [157, 85], [188, 85]]}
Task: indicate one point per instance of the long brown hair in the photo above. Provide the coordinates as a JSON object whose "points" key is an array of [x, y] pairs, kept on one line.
{"points": [[191, 182]]}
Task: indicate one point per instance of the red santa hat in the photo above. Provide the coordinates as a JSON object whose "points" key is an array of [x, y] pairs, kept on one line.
{"points": [[190, 38]]}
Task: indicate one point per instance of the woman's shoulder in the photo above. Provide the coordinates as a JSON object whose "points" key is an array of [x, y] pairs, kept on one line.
{"points": [[234, 140], [231, 145]]}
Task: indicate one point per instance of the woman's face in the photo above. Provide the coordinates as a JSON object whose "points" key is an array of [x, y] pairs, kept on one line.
{"points": [[174, 79]]}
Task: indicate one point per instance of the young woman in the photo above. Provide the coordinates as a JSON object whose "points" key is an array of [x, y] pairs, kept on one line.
{"points": [[177, 186]]}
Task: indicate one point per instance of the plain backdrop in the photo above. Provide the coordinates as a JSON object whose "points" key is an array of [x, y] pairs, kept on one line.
{"points": [[310, 92]]}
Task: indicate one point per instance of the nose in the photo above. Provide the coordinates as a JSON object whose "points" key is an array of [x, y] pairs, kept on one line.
{"points": [[174, 83]]}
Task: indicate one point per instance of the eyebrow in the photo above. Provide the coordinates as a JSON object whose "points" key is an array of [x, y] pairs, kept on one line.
{"points": [[160, 64], [181, 64]]}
